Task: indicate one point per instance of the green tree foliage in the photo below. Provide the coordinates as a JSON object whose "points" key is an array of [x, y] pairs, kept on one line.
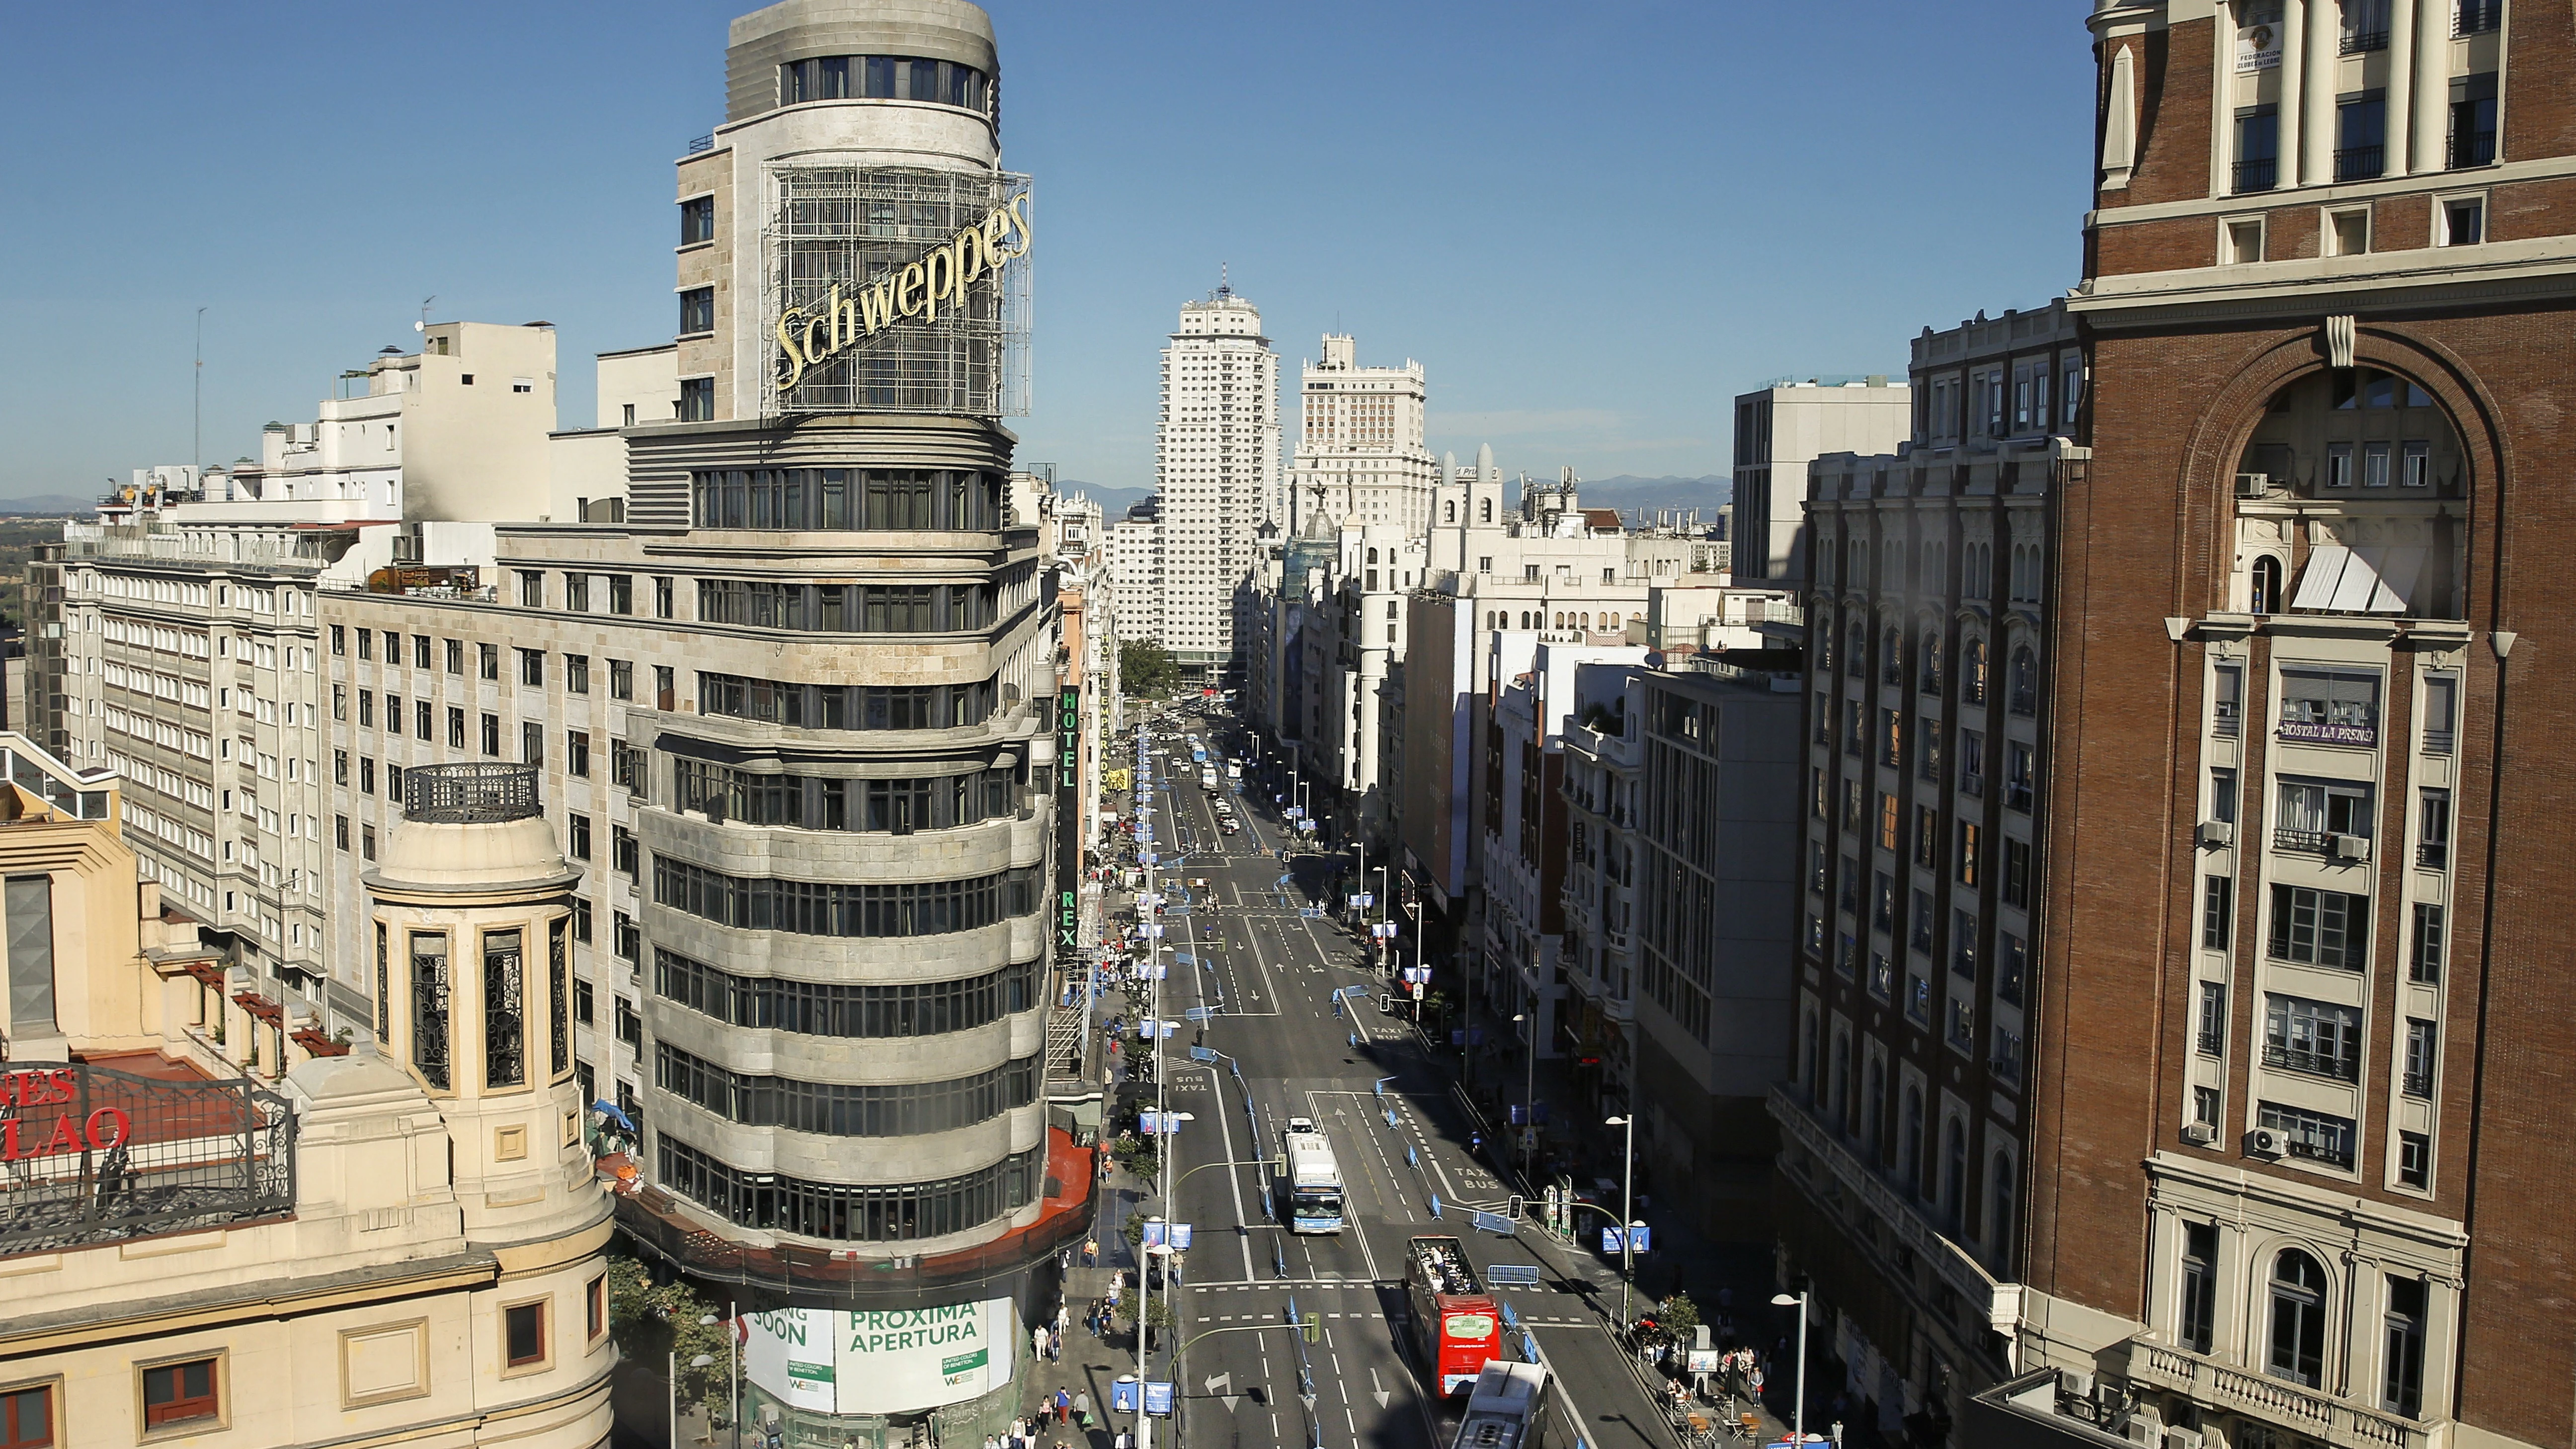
{"points": [[650, 1322], [1146, 668]]}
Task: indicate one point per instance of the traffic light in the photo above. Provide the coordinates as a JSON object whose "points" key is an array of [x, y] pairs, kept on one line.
{"points": [[1314, 1328]]}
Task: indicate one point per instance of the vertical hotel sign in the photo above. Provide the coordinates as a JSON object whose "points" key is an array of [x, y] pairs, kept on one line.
{"points": [[1068, 825]]}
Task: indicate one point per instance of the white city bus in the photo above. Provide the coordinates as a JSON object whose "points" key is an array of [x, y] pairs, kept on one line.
{"points": [[1311, 1181]]}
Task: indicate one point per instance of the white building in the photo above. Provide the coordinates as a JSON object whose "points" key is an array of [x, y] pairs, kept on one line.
{"points": [[1779, 430], [1359, 449], [1133, 549], [1216, 463]]}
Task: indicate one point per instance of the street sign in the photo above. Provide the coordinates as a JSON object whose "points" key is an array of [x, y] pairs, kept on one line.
{"points": [[1158, 1398], [1180, 1237], [1155, 1229]]}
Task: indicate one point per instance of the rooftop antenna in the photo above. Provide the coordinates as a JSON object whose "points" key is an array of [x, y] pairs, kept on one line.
{"points": [[1225, 279], [423, 324], [197, 427]]}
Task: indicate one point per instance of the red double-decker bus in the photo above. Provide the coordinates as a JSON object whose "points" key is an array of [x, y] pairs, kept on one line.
{"points": [[1454, 1319]]}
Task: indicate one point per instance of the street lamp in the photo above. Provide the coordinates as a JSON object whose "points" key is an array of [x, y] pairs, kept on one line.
{"points": [[1529, 1097], [701, 1361], [1627, 1214], [733, 1363], [1798, 1414]]}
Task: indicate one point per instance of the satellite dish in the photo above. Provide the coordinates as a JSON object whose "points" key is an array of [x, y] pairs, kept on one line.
{"points": [[420, 326]]}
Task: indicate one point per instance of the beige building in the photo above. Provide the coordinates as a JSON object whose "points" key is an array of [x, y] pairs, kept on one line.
{"points": [[228, 1228]]}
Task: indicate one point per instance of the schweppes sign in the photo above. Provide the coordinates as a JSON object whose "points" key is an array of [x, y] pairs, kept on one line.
{"points": [[812, 335]]}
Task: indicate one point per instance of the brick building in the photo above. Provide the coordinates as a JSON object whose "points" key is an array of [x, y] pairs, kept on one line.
{"points": [[2298, 1171]]}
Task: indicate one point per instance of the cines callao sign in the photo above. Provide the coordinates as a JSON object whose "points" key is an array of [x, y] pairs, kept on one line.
{"points": [[808, 337]]}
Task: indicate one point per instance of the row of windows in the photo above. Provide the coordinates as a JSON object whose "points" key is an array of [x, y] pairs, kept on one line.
{"points": [[815, 908], [2293, 1336], [881, 78], [946, 499], [813, 1008], [839, 1109], [848, 608], [877, 1212], [897, 807], [846, 706]]}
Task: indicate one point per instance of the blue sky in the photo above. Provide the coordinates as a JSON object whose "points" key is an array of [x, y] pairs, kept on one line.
{"points": [[1591, 223]]}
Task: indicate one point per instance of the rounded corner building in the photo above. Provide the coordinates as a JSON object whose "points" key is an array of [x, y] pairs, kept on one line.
{"points": [[843, 849]]}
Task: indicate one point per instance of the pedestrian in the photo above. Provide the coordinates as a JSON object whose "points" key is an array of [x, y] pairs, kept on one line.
{"points": [[1037, 1341], [1082, 1407], [1063, 1405], [1090, 1252], [1755, 1378], [1055, 1347], [1064, 1260], [1063, 1318]]}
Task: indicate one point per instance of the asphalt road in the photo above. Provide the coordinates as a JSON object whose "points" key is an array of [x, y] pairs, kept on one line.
{"points": [[1243, 945]]}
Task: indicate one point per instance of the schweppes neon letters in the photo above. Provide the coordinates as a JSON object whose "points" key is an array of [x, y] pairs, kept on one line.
{"points": [[915, 289]]}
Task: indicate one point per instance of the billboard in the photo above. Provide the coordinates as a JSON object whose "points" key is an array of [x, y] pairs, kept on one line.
{"points": [[836, 1362]]}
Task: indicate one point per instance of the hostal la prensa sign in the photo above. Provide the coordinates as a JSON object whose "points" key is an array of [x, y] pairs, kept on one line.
{"points": [[807, 340]]}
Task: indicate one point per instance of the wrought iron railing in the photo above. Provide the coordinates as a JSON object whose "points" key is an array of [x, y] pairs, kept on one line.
{"points": [[472, 793], [2260, 175], [2360, 163], [103, 1156]]}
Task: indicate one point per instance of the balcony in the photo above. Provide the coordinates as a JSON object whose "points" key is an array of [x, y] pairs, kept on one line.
{"points": [[2360, 163], [2314, 1063], [2262, 175], [2476, 17], [2302, 1411], [2224, 722], [2332, 844], [2419, 1084], [2363, 42]]}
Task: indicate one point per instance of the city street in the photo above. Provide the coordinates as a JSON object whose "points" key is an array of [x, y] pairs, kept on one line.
{"points": [[1275, 1047]]}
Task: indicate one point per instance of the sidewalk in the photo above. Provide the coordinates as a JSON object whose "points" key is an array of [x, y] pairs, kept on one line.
{"points": [[1088, 1364]]}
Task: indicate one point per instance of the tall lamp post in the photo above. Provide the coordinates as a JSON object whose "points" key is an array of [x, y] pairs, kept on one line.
{"points": [[1627, 1214], [1798, 1414], [733, 1362], [1528, 1023], [701, 1361]]}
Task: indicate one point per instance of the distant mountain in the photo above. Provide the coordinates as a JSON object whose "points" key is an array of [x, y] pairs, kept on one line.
{"points": [[1113, 502], [1629, 494], [48, 505]]}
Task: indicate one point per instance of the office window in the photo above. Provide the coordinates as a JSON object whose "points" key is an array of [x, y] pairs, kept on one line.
{"points": [[577, 593], [2316, 1136], [339, 768], [697, 402], [2424, 962], [2421, 1056], [2212, 1034], [621, 594], [179, 1393], [2433, 829], [532, 667], [2320, 928], [577, 753], [366, 775], [366, 643], [339, 640], [1971, 843], [532, 743], [455, 728], [2298, 1313], [2222, 795], [532, 588], [697, 220], [2361, 126], [2415, 1159], [2320, 1038], [621, 679], [1927, 836], [624, 854], [581, 933], [523, 1334], [2199, 1309], [2258, 149], [1887, 820], [487, 659], [661, 598], [697, 310], [2473, 119], [2401, 1359], [2217, 912], [579, 832], [492, 735], [366, 842], [423, 719], [366, 709], [340, 831]]}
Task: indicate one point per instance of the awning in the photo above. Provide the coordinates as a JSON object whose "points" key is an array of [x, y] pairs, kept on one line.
{"points": [[2344, 580]]}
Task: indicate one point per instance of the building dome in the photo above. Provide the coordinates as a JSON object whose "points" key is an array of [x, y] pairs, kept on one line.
{"points": [[471, 827]]}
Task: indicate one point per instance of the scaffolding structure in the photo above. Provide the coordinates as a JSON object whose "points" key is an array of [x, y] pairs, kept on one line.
{"points": [[847, 226]]}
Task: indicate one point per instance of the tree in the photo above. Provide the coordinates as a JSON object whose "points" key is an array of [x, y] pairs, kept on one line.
{"points": [[1681, 1319], [650, 1321], [1146, 668]]}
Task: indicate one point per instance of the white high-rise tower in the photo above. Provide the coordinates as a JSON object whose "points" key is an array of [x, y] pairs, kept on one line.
{"points": [[1216, 465], [1360, 449]]}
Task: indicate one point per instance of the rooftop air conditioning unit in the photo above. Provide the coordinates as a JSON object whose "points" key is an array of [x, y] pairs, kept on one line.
{"points": [[2214, 833], [2266, 1142], [2352, 847], [2182, 1438], [2199, 1134], [2253, 485]]}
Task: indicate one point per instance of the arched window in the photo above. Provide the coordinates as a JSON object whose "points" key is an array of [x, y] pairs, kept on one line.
{"points": [[2298, 1350], [1873, 1110], [1856, 645], [1372, 558], [1842, 1102], [1999, 1207], [1909, 1142], [1824, 649], [1972, 672], [1449, 511], [2024, 681], [1891, 656], [1560, 620], [1390, 608], [2267, 586], [1930, 670], [1488, 511], [1954, 1185]]}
